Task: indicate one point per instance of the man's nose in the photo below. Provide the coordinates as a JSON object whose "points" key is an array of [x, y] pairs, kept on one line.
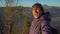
{"points": [[36, 11]]}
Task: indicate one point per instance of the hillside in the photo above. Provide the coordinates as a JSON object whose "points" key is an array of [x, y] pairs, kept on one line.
{"points": [[26, 12]]}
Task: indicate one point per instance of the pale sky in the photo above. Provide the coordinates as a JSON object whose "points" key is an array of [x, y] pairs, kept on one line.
{"points": [[29, 3]]}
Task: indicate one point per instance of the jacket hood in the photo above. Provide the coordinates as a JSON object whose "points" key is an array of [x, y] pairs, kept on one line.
{"points": [[46, 16]]}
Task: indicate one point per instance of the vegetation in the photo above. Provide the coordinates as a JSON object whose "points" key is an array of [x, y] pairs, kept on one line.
{"points": [[26, 26]]}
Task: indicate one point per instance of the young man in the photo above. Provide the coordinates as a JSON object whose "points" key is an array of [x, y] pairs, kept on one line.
{"points": [[41, 22]]}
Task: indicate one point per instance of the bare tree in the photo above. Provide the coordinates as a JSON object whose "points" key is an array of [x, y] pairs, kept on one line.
{"points": [[10, 12], [9, 2], [1, 3]]}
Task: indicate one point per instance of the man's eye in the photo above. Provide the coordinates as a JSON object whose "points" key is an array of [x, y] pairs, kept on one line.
{"points": [[37, 10]]}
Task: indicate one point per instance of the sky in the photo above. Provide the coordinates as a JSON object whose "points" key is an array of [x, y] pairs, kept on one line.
{"points": [[29, 3]]}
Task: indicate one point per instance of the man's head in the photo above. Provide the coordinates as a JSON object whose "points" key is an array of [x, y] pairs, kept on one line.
{"points": [[37, 10]]}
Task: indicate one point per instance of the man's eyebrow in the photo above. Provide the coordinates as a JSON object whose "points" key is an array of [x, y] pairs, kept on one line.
{"points": [[34, 8]]}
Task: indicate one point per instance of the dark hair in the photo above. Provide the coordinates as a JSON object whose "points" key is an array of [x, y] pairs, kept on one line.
{"points": [[38, 4]]}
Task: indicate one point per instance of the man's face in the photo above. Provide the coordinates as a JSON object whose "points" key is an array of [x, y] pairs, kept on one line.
{"points": [[36, 11]]}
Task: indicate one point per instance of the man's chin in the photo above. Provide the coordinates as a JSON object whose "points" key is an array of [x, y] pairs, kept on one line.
{"points": [[36, 17]]}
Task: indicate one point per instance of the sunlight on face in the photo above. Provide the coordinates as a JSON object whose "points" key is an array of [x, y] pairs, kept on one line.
{"points": [[36, 12]]}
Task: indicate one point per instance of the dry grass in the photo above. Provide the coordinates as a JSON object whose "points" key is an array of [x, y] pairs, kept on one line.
{"points": [[55, 19]]}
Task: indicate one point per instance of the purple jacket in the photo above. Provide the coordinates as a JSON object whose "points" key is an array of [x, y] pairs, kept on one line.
{"points": [[41, 26]]}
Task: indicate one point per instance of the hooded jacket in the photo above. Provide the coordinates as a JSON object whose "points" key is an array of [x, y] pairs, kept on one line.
{"points": [[41, 25]]}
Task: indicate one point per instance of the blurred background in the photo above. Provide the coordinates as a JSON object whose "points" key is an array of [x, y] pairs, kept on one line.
{"points": [[16, 16]]}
